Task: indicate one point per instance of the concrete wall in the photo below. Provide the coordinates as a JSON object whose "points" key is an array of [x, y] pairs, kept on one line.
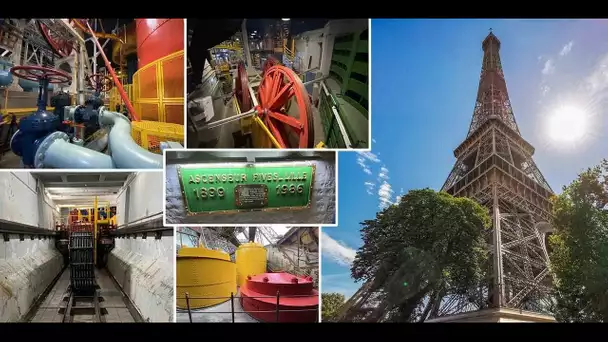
{"points": [[322, 209], [144, 268], [26, 267], [307, 45], [145, 192], [21, 188]]}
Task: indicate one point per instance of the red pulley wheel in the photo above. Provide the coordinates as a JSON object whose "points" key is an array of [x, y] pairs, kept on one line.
{"points": [[36, 73], [100, 82], [291, 125], [61, 46], [270, 61], [242, 89]]}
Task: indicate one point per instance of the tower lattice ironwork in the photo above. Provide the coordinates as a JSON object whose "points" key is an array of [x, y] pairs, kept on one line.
{"points": [[495, 167]]}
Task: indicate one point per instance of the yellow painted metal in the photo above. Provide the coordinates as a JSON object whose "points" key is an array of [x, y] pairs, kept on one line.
{"points": [[250, 261], [90, 217], [115, 98], [160, 101], [261, 136], [95, 215], [245, 122], [149, 134], [205, 273]]}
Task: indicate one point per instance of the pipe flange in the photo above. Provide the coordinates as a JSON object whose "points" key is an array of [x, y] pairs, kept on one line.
{"points": [[100, 112], [68, 112], [13, 139], [44, 146]]}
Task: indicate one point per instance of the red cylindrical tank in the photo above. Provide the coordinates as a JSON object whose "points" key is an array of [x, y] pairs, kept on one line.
{"points": [[160, 98], [157, 38], [297, 300]]}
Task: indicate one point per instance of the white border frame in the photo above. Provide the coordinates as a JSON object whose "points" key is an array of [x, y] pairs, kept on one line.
{"points": [[246, 150], [369, 101]]}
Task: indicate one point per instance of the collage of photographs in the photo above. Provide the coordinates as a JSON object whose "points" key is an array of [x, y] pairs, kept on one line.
{"points": [[225, 170]]}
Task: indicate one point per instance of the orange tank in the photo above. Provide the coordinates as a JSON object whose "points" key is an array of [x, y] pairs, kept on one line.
{"points": [[157, 38]]}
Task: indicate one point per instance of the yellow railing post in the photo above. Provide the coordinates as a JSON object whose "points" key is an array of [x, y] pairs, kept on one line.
{"points": [[95, 214]]}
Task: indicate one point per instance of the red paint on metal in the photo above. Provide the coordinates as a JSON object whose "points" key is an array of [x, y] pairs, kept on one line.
{"points": [[279, 88], [36, 73], [157, 38], [61, 46], [242, 89], [121, 90], [100, 82], [298, 300], [270, 61]]}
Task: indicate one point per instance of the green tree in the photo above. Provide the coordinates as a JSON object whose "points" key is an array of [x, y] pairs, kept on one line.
{"points": [[330, 303], [579, 248], [416, 252]]}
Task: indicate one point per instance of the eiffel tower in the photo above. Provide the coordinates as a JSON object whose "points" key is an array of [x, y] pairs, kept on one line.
{"points": [[495, 167]]}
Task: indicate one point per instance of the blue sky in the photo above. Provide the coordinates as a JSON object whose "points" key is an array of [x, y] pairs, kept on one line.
{"points": [[425, 75]]}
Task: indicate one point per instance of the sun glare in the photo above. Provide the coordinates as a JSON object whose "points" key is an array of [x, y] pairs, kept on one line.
{"points": [[568, 124]]}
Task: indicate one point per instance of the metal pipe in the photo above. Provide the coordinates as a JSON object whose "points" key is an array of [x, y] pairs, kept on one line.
{"points": [[125, 152], [315, 80], [61, 154], [71, 29], [229, 119], [121, 90]]}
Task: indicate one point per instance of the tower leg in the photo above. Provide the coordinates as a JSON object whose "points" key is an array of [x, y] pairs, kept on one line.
{"points": [[498, 281]]}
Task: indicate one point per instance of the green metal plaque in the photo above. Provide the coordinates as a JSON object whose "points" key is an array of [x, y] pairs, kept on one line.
{"points": [[246, 187]]}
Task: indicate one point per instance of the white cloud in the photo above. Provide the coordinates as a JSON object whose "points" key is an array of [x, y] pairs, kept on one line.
{"points": [[385, 194], [369, 187], [566, 49], [337, 251], [363, 158], [383, 174], [385, 191], [544, 89], [549, 67], [597, 81], [398, 198], [364, 167], [374, 141], [369, 156]]}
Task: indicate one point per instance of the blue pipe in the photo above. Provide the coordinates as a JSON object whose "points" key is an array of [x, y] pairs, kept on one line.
{"points": [[57, 152], [126, 154]]}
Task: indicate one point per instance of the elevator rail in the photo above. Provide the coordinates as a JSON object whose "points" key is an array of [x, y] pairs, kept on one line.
{"points": [[76, 302]]}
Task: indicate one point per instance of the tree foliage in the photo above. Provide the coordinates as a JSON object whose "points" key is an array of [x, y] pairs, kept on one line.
{"points": [[330, 303], [579, 248], [428, 245]]}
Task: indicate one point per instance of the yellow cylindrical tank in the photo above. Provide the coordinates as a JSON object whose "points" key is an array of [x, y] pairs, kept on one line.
{"points": [[250, 260], [204, 272]]}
